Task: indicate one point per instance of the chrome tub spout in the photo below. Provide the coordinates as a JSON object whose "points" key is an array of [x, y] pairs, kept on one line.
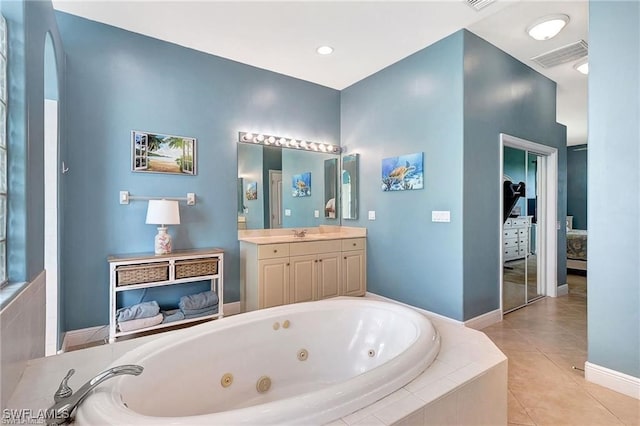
{"points": [[66, 400]]}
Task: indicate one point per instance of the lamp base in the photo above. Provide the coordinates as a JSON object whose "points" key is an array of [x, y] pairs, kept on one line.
{"points": [[162, 242]]}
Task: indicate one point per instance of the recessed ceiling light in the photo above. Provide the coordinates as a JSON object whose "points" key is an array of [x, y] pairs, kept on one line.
{"points": [[547, 27], [582, 66], [324, 50]]}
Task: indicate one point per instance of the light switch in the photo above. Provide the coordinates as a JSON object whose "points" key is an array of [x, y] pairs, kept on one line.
{"points": [[124, 197], [316, 213], [441, 216], [287, 212], [372, 215]]}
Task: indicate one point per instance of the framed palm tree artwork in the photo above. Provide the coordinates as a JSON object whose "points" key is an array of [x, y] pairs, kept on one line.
{"points": [[157, 153]]}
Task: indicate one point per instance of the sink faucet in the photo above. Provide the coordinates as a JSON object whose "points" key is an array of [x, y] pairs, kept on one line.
{"points": [[66, 400], [299, 233]]}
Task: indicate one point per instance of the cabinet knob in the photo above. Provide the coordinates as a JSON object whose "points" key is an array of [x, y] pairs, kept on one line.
{"points": [[345, 257], [354, 244], [275, 251], [287, 264], [320, 260], [315, 261]]}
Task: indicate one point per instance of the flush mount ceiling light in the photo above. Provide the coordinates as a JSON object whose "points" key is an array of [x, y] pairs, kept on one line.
{"points": [[262, 139], [582, 66], [324, 50], [547, 27]]}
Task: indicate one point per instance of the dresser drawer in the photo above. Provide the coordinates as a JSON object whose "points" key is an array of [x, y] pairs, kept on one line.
{"points": [[271, 251], [516, 222], [354, 244], [510, 233], [510, 242], [510, 253]]}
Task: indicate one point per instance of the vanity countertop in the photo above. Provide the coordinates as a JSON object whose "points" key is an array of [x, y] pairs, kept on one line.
{"points": [[274, 236]]}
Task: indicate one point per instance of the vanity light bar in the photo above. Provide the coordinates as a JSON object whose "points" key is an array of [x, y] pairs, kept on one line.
{"points": [[262, 139]]}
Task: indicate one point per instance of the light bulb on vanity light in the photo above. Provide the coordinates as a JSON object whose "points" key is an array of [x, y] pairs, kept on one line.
{"points": [[303, 144], [260, 138], [163, 212], [247, 137]]}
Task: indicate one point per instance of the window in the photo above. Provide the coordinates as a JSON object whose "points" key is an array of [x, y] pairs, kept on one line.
{"points": [[3, 151]]}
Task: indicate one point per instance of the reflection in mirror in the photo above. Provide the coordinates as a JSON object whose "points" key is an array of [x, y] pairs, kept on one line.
{"points": [[350, 186], [330, 187], [277, 174]]}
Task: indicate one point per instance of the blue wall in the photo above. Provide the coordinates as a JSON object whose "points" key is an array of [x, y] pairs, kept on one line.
{"points": [[120, 81], [451, 101], [415, 105], [501, 95], [577, 185], [613, 182]]}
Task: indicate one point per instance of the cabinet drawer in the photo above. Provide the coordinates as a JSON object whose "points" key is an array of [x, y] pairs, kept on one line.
{"points": [[270, 251], [354, 244], [142, 273], [314, 247], [196, 267], [510, 253]]}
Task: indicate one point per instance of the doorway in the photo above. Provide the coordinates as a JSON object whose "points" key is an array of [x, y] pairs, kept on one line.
{"points": [[528, 222]]}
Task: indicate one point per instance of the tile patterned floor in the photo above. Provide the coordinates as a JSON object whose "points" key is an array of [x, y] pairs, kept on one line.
{"points": [[543, 342]]}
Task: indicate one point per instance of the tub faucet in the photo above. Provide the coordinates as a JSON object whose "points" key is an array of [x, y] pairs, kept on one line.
{"points": [[299, 233], [66, 400]]}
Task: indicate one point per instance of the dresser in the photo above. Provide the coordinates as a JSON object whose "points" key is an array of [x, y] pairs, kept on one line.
{"points": [[515, 238], [273, 274]]}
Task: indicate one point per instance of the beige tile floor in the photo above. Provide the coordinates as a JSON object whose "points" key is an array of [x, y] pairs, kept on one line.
{"points": [[543, 341]]}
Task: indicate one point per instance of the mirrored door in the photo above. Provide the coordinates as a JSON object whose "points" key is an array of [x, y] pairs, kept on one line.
{"points": [[520, 230]]}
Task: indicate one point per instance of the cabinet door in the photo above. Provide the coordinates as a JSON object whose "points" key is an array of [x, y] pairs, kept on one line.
{"points": [[303, 278], [353, 273], [273, 282], [328, 275]]}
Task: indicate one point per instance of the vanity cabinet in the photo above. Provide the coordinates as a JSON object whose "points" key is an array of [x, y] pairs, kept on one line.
{"points": [[282, 273]]}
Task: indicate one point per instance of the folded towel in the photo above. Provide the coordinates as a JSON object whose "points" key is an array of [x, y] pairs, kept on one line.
{"points": [[211, 311], [172, 315], [199, 300], [139, 323], [141, 310], [199, 311]]}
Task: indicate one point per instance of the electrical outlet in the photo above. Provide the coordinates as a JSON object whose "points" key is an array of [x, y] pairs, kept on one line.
{"points": [[316, 213], [287, 212], [372, 215]]}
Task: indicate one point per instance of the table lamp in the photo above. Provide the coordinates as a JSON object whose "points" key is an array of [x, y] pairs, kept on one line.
{"points": [[163, 212]]}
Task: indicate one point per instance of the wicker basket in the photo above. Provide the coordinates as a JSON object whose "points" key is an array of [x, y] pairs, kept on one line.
{"points": [[142, 273], [196, 268]]}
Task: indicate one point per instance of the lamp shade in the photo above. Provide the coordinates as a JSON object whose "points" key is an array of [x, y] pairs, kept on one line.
{"points": [[163, 212]]}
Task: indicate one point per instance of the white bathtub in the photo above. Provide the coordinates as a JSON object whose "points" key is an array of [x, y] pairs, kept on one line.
{"points": [[357, 351]]}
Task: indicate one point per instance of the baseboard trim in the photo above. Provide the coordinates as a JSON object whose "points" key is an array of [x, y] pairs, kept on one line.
{"points": [[612, 379], [484, 320], [424, 311], [88, 335], [562, 290]]}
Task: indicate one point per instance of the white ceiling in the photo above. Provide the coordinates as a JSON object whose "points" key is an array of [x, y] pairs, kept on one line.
{"points": [[366, 35]]}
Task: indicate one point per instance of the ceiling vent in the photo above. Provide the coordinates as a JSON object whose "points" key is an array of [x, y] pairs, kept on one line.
{"points": [[561, 55], [479, 4]]}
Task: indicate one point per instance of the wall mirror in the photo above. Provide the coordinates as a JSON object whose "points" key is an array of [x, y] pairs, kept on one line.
{"points": [[330, 188], [349, 188], [286, 188]]}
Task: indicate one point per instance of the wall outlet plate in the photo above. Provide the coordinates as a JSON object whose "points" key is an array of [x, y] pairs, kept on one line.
{"points": [[287, 212], [441, 216], [316, 213], [372, 215]]}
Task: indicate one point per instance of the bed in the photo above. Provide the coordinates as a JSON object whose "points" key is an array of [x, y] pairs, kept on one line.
{"points": [[576, 247]]}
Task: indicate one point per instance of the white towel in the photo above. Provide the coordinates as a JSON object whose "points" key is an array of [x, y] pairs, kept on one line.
{"points": [[137, 324]]}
